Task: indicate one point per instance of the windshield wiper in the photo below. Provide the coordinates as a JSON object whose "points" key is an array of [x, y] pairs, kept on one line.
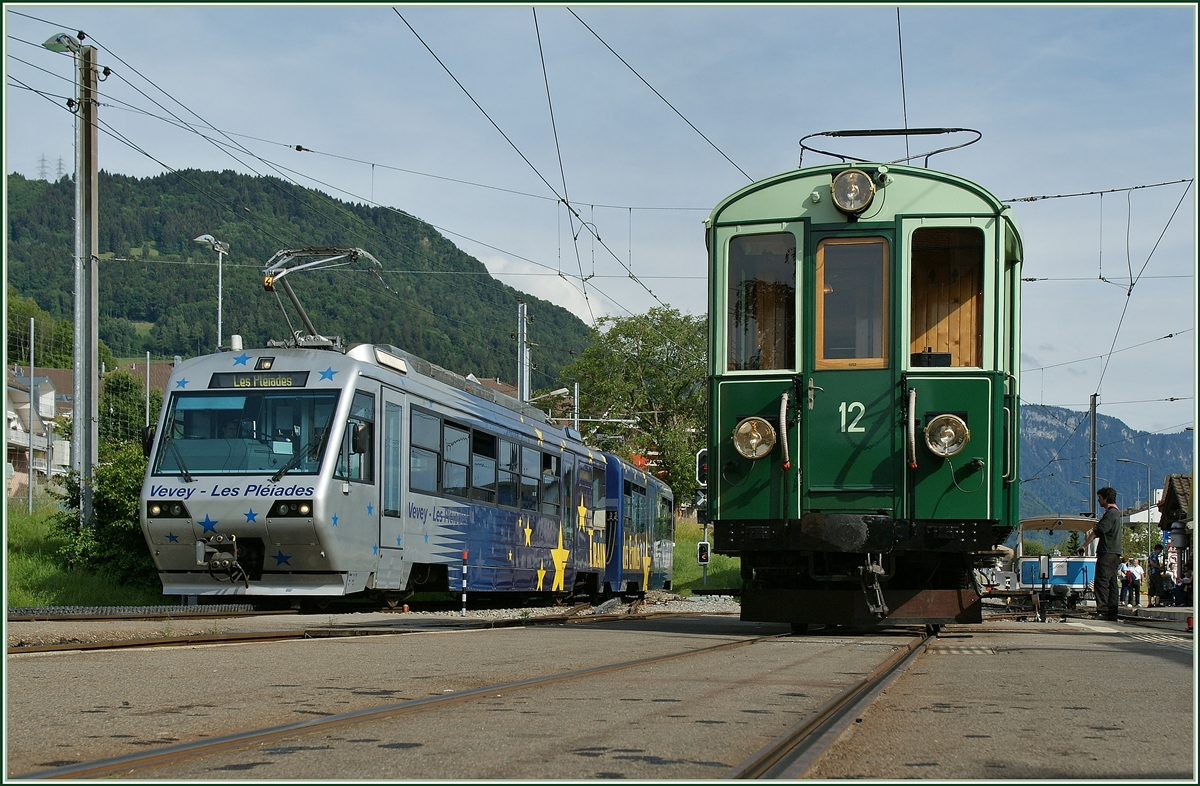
{"points": [[178, 459], [313, 444]]}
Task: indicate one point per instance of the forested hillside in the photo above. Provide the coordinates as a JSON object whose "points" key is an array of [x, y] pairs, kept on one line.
{"points": [[158, 288]]}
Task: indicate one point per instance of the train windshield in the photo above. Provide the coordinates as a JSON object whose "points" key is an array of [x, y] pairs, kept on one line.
{"points": [[245, 434]]}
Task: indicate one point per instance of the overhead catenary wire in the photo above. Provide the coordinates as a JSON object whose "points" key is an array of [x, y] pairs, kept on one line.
{"points": [[660, 95], [561, 170], [1030, 199]]}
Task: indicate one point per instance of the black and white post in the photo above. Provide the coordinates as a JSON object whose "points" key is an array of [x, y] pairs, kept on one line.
{"points": [[464, 583]]}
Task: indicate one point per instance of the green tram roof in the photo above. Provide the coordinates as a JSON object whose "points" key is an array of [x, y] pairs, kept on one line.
{"points": [[784, 208]]}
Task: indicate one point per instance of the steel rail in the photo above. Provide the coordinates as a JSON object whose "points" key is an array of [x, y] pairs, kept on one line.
{"points": [[197, 748], [781, 754], [193, 615], [569, 618]]}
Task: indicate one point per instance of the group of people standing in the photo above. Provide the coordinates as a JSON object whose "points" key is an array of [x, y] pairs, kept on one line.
{"points": [[1119, 583]]}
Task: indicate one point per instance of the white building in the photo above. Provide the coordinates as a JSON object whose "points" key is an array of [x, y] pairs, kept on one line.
{"points": [[50, 454]]}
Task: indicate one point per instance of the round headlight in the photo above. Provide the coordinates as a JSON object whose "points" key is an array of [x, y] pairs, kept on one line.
{"points": [[753, 438], [304, 510], [946, 435], [852, 191], [155, 510]]}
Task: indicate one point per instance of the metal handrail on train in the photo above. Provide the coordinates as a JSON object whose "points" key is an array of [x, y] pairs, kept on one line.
{"points": [[905, 132]]}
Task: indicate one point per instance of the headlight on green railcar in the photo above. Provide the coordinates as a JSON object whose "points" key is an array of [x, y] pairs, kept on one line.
{"points": [[753, 438], [946, 435]]}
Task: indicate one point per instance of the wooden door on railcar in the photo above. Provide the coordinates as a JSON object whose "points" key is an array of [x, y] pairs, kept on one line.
{"points": [[848, 400]]}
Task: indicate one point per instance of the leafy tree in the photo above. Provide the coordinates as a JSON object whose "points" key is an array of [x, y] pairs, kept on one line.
{"points": [[650, 368], [123, 408], [50, 350]]}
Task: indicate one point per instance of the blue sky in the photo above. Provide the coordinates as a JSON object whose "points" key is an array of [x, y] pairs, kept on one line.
{"points": [[1069, 99]]}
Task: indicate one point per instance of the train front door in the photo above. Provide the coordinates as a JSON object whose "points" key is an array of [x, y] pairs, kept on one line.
{"points": [[393, 568], [847, 397]]}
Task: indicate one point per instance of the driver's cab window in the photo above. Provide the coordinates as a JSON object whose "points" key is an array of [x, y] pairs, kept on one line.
{"points": [[852, 303], [357, 448]]}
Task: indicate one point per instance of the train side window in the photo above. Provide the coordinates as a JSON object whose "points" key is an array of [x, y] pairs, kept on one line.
{"points": [[598, 491], [641, 511], [946, 325], [426, 430], [852, 303], [425, 433], [393, 456], [355, 459], [569, 482], [761, 302], [531, 470], [551, 488], [483, 466], [509, 474], [456, 455], [627, 508]]}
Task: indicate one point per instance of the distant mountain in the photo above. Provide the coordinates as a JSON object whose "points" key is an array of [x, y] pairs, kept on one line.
{"points": [[1055, 451], [433, 299]]}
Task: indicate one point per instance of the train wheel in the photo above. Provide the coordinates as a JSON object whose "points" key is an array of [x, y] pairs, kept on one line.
{"points": [[799, 628]]}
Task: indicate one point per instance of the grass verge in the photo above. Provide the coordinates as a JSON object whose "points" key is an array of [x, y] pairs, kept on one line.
{"points": [[37, 576], [723, 572]]}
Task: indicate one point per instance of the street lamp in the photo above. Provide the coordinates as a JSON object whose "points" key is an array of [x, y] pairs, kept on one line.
{"points": [[1148, 495], [222, 249], [559, 392]]}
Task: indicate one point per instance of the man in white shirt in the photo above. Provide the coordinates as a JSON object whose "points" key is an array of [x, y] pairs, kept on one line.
{"points": [[1135, 586]]}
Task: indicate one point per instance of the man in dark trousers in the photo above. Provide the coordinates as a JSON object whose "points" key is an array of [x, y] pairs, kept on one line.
{"points": [[1108, 554]]}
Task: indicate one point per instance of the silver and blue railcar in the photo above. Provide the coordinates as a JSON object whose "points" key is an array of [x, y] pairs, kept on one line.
{"points": [[313, 473]]}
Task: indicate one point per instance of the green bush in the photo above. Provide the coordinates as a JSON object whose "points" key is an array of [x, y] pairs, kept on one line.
{"points": [[111, 542]]}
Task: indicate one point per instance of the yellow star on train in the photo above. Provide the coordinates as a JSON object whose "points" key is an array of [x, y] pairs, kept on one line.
{"points": [[541, 574], [559, 555], [528, 532], [582, 513], [645, 571], [539, 436]]}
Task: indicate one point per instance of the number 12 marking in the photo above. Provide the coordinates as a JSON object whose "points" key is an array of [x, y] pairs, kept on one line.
{"points": [[854, 427]]}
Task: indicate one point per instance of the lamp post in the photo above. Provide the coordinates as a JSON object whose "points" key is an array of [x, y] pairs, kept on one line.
{"points": [[1148, 495], [222, 249]]}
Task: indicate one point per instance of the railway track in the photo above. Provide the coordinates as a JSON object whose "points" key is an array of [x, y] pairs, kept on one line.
{"points": [[571, 616], [790, 754], [211, 746]]}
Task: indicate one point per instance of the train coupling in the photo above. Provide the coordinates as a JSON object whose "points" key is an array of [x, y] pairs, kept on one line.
{"points": [[220, 554], [872, 591]]}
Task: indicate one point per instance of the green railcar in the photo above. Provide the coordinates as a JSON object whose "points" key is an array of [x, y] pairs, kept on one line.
{"points": [[863, 382]]}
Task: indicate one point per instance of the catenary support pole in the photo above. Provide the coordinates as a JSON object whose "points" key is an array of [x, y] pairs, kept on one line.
{"points": [[32, 406]]}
